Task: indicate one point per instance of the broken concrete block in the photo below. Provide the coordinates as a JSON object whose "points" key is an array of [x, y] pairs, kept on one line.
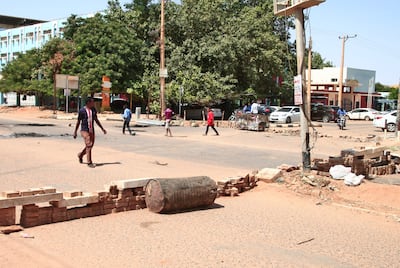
{"points": [[132, 183], [269, 175], [85, 199], [9, 194]]}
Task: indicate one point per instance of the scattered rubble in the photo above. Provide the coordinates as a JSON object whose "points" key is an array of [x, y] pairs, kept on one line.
{"points": [[233, 186], [368, 162]]}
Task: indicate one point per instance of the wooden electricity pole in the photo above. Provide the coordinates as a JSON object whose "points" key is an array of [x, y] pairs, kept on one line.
{"points": [[340, 95], [162, 60]]}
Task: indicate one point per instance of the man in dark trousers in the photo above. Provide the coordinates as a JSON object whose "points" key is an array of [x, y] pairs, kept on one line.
{"points": [[127, 119], [210, 122], [86, 118]]}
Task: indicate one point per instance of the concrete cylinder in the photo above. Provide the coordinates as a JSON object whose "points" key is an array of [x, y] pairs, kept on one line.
{"points": [[138, 111]]}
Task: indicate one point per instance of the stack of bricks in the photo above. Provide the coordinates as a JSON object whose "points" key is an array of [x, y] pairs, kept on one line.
{"points": [[7, 216], [236, 185], [125, 199], [119, 196], [376, 161]]}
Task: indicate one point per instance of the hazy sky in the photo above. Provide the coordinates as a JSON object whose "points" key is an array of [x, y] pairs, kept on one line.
{"points": [[376, 24]]}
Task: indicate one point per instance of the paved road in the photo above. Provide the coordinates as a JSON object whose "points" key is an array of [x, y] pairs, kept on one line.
{"points": [[261, 228], [238, 149]]}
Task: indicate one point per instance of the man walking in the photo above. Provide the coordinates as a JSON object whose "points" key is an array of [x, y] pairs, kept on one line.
{"points": [[127, 119], [210, 122], [168, 117], [86, 117]]}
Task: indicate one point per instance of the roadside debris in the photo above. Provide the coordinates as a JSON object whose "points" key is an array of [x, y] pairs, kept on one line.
{"points": [[11, 229], [269, 175], [305, 241], [26, 235], [233, 186], [369, 162]]}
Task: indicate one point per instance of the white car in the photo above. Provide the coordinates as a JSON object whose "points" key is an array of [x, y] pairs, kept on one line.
{"points": [[386, 121], [286, 114], [362, 114]]}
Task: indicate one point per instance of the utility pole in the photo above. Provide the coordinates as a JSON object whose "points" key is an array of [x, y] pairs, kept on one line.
{"points": [[398, 112], [340, 96], [300, 51], [281, 8], [162, 60], [309, 78]]}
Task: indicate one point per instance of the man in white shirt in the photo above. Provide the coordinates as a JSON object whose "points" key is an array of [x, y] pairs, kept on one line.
{"points": [[254, 108]]}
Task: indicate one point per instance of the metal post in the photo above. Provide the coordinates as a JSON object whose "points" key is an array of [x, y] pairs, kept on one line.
{"points": [[66, 96], [55, 94], [300, 51], [180, 100], [162, 60]]}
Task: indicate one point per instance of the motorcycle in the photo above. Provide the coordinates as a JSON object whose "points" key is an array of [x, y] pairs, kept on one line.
{"points": [[341, 121]]}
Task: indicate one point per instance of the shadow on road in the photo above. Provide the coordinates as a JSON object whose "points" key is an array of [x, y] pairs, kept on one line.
{"points": [[213, 206], [105, 164]]}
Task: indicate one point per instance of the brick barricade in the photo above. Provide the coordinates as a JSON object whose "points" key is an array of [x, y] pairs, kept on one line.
{"points": [[73, 205], [119, 196]]}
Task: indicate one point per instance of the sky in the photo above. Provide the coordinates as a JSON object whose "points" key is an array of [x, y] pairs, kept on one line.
{"points": [[376, 24]]}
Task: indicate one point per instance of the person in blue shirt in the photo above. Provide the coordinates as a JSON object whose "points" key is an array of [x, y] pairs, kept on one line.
{"points": [[127, 119], [341, 112]]}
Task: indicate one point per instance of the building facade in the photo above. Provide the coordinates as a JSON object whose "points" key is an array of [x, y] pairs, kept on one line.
{"points": [[358, 87], [21, 39]]}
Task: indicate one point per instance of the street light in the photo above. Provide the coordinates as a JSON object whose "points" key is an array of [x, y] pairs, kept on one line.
{"points": [[344, 39]]}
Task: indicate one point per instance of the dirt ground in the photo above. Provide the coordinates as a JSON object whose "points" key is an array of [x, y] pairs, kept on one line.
{"points": [[287, 224]]}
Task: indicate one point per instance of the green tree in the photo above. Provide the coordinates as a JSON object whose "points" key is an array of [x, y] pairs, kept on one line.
{"points": [[106, 44]]}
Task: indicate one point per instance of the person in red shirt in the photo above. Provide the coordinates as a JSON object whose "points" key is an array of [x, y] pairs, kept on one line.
{"points": [[210, 122], [168, 116]]}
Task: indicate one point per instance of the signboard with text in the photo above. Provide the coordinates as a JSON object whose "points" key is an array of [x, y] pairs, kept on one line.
{"points": [[298, 90]]}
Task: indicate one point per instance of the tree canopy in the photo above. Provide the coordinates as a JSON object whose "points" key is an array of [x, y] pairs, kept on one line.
{"points": [[215, 50]]}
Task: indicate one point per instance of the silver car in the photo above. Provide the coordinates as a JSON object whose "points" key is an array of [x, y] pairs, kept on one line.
{"points": [[286, 114], [362, 114]]}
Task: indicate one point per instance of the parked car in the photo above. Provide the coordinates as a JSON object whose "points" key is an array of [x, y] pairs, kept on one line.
{"points": [[265, 109], [322, 113], [217, 113], [286, 114], [362, 114], [386, 121]]}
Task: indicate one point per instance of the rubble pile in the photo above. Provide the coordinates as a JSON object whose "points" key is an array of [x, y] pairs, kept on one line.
{"points": [[368, 162], [233, 186]]}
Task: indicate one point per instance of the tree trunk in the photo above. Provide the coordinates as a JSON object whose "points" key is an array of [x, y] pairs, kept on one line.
{"points": [[171, 195]]}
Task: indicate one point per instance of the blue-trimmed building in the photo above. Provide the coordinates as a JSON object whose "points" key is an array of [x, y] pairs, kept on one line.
{"points": [[16, 39], [21, 39]]}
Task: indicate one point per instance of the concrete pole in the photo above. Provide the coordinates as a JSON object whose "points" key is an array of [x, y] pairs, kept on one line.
{"points": [[344, 39], [340, 104], [309, 78], [162, 61], [300, 51]]}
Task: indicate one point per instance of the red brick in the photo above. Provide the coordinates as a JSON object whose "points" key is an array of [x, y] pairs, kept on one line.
{"points": [[7, 216]]}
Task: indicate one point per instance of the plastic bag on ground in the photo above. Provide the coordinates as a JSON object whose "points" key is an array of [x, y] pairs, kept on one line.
{"points": [[338, 172], [352, 179]]}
